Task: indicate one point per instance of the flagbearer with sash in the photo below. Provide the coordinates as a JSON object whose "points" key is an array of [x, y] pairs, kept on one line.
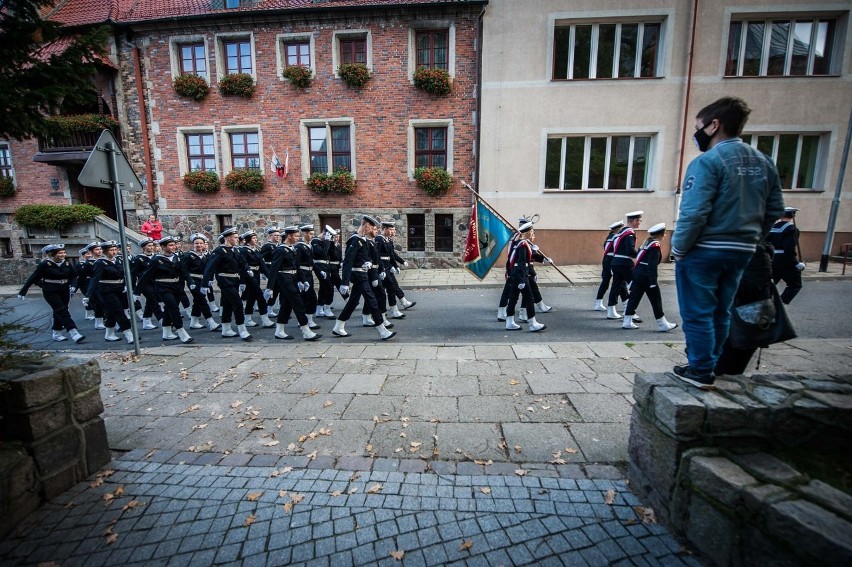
{"points": [[624, 252], [645, 281], [58, 281], [519, 270], [167, 275]]}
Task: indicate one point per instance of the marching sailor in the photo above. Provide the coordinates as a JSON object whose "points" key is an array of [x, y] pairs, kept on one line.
{"points": [[251, 253], [357, 262], [107, 284], [304, 252], [93, 303], [84, 259], [167, 275], [606, 268], [289, 279], [138, 265], [623, 254], [645, 281], [273, 239], [320, 247], [58, 281], [392, 260], [230, 269], [786, 265], [194, 263], [519, 263]]}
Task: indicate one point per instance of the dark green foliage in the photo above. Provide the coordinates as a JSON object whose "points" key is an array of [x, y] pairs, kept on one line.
{"points": [[60, 126], [433, 180], [7, 187], [341, 181], [237, 84], [191, 86], [354, 74], [433, 81], [245, 181], [299, 76], [33, 86], [202, 181], [55, 216]]}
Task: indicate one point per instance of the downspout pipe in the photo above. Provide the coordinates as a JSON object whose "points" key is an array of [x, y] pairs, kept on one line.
{"points": [[478, 125], [143, 126], [683, 133]]}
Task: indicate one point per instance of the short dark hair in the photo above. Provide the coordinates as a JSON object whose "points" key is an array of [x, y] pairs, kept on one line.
{"points": [[731, 112]]}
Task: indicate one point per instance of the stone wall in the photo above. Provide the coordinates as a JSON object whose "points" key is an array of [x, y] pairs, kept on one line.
{"points": [[756, 472], [51, 433]]}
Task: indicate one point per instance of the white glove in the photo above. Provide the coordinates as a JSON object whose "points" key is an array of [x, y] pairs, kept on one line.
{"points": [[535, 278], [382, 276], [192, 287], [547, 260], [139, 297], [267, 294], [242, 288], [344, 290], [323, 275], [800, 266], [653, 286], [84, 301], [72, 290], [394, 270], [22, 298], [327, 236], [405, 263], [374, 283], [522, 285], [367, 265], [204, 290], [303, 286]]}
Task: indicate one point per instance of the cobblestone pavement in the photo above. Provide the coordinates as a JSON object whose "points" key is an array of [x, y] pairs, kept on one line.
{"points": [[161, 510]]}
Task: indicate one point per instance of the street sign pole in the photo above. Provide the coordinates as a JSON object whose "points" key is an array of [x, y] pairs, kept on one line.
{"points": [[122, 237]]}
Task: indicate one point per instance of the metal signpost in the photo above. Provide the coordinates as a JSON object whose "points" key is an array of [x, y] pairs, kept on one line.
{"points": [[108, 168]]}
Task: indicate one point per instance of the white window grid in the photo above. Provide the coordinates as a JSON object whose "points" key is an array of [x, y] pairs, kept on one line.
{"points": [[797, 162], [587, 148], [306, 125], [616, 50], [767, 41]]}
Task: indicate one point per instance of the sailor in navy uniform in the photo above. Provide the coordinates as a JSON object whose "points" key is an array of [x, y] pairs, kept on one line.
{"points": [[606, 268], [540, 306], [289, 279], [304, 251], [230, 269], [320, 246], [533, 280], [519, 275], [376, 276], [138, 265], [86, 271], [645, 281], [168, 277], [194, 262], [58, 281], [251, 253], [273, 239], [84, 259], [623, 254], [335, 259], [107, 284], [786, 265], [357, 263], [392, 261]]}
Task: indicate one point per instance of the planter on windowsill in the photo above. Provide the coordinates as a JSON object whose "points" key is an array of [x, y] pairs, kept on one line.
{"points": [[433, 81], [7, 187], [435, 181], [245, 181], [201, 182], [340, 182], [355, 75], [298, 76], [237, 84], [191, 86]]}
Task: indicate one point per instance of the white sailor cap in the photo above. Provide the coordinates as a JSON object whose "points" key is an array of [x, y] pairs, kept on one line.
{"points": [[271, 229], [526, 227], [248, 234], [370, 219], [198, 236], [167, 240], [634, 215], [306, 227], [52, 248], [228, 232], [388, 224], [616, 224], [145, 241], [523, 220], [790, 211], [92, 246], [657, 229], [109, 244], [83, 251], [330, 230], [292, 229]]}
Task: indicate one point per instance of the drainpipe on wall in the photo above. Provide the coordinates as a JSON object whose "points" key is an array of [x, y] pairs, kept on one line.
{"points": [[478, 124], [143, 126], [683, 133]]}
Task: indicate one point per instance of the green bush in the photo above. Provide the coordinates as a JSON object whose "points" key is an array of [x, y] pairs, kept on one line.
{"points": [[80, 124], [341, 182], [191, 86], [298, 75], [434, 180], [237, 84], [433, 81], [55, 216], [201, 181], [245, 181], [7, 187], [355, 75]]}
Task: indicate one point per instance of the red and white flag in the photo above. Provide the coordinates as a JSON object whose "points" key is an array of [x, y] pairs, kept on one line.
{"points": [[276, 165], [286, 163]]}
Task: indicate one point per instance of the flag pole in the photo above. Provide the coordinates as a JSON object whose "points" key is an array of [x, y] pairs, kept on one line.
{"points": [[472, 190]]}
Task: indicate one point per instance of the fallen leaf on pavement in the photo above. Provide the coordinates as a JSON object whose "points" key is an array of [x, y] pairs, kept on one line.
{"points": [[466, 544], [288, 507], [327, 403], [397, 450], [647, 514], [111, 538], [518, 448], [193, 407], [235, 404], [570, 450], [609, 497], [398, 555], [132, 504], [324, 431], [249, 521], [482, 462], [296, 498], [254, 496], [282, 493], [485, 490], [375, 489], [513, 382], [369, 447], [200, 426], [271, 444], [312, 456], [557, 462], [520, 472], [336, 493]]}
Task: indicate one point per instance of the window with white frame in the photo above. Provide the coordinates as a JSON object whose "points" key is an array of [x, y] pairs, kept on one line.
{"points": [[189, 56], [5, 161], [607, 50], [800, 46], [295, 49], [196, 148], [245, 150], [797, 157], [430, 144], [352, 46], [598, 162], [331, 146], [432, 45], [235, 54]]}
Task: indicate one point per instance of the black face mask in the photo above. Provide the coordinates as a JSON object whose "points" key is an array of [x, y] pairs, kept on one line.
{"points": [[702, 139]]}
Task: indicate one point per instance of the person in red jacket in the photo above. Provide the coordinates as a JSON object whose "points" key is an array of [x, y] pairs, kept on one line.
{"points": [[152, 228]]}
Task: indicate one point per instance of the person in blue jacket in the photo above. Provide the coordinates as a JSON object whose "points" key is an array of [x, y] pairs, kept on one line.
{"points": [[731, 198]]}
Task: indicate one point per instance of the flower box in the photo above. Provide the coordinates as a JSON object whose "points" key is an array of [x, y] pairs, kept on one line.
{"points": [[433, 81], [340, 182], [237, 84], [299, 76]]}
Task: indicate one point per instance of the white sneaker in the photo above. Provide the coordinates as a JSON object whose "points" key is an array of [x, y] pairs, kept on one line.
{"points": [[184, 336], [664, 326], [76, 336], [280, 333], [168, 334], [501, 313], [522, 315], [367, 321], [611, 313], [249, 322], [266, 322], [109, 335], [147, 324], [535, 326], [510, 323], [90, 315], [328, 313], [99, 323], [213, 307], [213, 325], [628, 323], [59, 337], [311, 323], [339, 329], [406, 304], [542, 308], [195, 323], [128, 334], [384, 333], [396, 313], [244, 334], [599, 306], [308, 334], [227, 330], [637, 318]]}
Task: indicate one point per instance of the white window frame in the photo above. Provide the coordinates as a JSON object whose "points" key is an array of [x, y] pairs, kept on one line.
{"points": [[221, 63], [281, 55], [183, 152], [350, 34], [430, 123], [305, 140], [175, 42], [616, 50], [227, 154], [821, 160], [840, 31], [8, 146], [651, 159], [436, 25]]}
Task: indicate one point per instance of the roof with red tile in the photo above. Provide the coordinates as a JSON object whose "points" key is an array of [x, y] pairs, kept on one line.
{"points": [[83, 12], [48, 50]]}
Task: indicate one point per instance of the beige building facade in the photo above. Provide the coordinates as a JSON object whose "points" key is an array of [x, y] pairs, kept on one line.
{"points": [[587, 108]]}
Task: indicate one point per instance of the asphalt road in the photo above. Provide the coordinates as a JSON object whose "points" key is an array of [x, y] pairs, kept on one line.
{"points": [[822, 310]]}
